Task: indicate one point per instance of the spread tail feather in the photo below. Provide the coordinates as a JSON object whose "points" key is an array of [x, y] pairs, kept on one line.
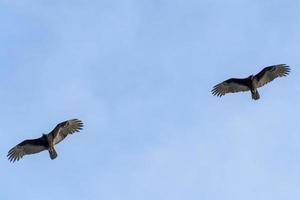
{"points": [[255, 95], [52, 153]]}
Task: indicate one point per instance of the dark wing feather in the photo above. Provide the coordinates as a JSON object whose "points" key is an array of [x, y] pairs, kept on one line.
{"points": [[64, 128], [268, 74], [230, 86], [27, 147]]}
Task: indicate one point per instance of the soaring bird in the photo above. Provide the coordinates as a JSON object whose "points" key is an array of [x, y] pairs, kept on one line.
{"points": [[46, 142], [251, 83]]}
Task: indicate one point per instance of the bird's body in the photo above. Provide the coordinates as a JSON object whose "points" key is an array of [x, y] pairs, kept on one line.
{"points": [[252, 82], [50, 145], [253, 85], [46, 142]]}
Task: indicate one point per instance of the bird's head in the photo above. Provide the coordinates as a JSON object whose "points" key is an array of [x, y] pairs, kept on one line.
{"points": [[45, 136], [251, 77]]}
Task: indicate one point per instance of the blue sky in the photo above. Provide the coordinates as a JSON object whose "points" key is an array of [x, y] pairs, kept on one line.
{"points": [[139, 75]]}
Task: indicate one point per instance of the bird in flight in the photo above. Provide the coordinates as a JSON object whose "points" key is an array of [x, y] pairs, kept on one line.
{"points": [[46, 142], [251, 83]]}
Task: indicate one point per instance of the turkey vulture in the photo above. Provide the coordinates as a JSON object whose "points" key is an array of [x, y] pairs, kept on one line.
{"points": [[251, 83], [46, 142]]}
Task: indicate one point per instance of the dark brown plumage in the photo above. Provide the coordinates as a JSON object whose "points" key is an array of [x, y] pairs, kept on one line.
{"points": [[46, 142], [251, 83]]}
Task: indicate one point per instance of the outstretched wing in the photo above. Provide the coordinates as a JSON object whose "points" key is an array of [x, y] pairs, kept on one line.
{"points": [[64, 128], [27, 147], [230, 86], [268, 74]]}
